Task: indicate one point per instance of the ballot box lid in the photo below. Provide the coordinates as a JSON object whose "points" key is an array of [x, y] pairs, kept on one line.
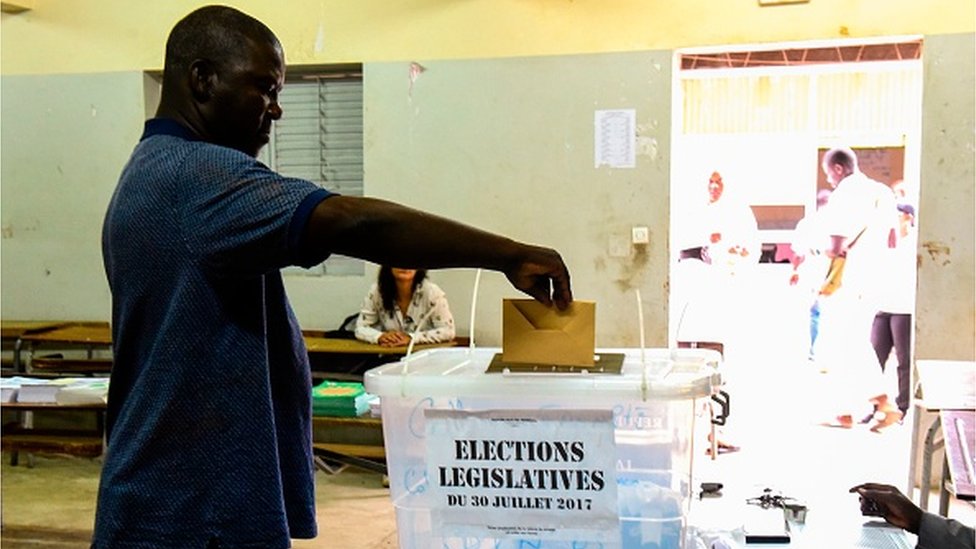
{"points": [[655, 373]]}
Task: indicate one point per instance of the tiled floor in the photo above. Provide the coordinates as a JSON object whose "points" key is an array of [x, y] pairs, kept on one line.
{"points": [[776, 408]]}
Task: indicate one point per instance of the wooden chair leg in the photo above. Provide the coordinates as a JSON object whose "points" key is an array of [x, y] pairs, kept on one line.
{"points": [[714, 441]]}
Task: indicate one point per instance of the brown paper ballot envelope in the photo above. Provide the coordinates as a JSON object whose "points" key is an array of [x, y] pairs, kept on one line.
{"points": [[535, 334]]}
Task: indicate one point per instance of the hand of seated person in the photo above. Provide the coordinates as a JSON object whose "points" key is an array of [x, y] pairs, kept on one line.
{"points": [[884, 500], [393, 339]]}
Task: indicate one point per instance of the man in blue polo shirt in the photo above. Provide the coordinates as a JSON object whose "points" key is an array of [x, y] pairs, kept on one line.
{"points": [[209, 411]]}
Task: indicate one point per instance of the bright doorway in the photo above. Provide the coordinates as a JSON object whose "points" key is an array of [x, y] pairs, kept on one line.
{"points": [[762, 116]]}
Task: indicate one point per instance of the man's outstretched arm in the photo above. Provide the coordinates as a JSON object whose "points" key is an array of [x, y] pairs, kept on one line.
{"points": [[387, 233]]}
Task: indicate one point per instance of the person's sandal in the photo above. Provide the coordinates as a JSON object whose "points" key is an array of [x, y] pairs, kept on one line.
{"points": [[887, 418], [840, 422], [723, 448]]}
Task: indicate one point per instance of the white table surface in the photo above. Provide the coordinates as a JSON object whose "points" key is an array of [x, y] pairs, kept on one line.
{"points": [[835, 524]]}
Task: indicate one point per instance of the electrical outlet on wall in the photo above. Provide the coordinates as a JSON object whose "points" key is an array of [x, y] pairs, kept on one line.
{"points": [[640, 235]]}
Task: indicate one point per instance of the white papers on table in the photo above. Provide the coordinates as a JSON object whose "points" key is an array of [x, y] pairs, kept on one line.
{"points": [[69, 390]]}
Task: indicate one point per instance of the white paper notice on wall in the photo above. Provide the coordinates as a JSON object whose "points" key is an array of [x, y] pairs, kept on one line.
{"points": [[614, 138], [522, 474]]}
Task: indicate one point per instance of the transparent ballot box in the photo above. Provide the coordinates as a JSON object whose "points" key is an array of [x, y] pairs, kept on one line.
{"points": [[482, 457]]}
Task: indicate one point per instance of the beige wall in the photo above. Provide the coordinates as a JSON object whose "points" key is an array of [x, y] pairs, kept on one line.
{"points": [[117, 35], [946, 300], [507, 144], [494, 141]]}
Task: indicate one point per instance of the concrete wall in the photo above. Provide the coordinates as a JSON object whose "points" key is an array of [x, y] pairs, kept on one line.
{"points": [[946, 296], [503, 141], [63, 141], [89, 36], [507, 145]]}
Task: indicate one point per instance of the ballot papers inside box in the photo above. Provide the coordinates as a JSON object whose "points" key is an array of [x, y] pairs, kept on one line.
{"points": [[537, 338]]}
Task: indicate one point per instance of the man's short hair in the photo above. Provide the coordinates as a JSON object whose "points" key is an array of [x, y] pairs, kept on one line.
{"points": [[216, 33], [843, 156]]}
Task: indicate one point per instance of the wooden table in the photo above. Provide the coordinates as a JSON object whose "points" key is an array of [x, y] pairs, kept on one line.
{"points": [[959, 468], [346, 359], [331, 345], [98, 334], [88, 335], [947, 385], [14, 331], [76, 333], [356, 441], [51, 406]]}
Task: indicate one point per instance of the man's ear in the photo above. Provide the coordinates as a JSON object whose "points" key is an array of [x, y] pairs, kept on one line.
{"points": [[838, 170], [203, 79]]}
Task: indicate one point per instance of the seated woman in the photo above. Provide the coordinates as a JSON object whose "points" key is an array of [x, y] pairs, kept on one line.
{"points": [[403, 302]]}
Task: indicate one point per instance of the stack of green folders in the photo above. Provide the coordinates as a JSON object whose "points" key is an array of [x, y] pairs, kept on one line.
{"points": [[340, 398]]}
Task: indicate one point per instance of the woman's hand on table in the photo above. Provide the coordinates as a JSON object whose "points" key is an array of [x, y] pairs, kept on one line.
{"points": [[393, 339]]}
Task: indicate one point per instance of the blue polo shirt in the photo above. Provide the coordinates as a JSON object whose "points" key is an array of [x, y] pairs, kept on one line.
{"points": [[209, 408]]}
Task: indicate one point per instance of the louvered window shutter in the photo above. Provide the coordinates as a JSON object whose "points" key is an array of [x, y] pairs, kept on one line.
{"points": [[320, 138]]}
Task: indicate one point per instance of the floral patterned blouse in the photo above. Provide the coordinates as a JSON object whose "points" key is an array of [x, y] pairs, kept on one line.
{"points": [[428, 307]]}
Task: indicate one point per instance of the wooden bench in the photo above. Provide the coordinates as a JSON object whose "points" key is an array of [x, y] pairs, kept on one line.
{"points": [[958, 476], [57, 364], [370, 458], [17, 437], [357, 450], [356, 441], [51, 441]]}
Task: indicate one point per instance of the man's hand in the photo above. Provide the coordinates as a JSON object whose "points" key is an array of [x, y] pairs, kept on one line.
{"points": [[883, 500], [541, 273], [838, 247]]}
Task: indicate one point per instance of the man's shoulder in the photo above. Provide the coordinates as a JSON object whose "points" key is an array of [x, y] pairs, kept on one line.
{"points": [[863, 180], [879, 193], [197, 151], [859, 187], [166, 145]]}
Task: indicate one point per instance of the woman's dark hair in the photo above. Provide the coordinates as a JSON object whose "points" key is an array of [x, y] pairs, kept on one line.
{"points": [[387, 285]]}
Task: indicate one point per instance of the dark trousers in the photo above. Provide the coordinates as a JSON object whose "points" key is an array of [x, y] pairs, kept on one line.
{"points": [[895, 330]]}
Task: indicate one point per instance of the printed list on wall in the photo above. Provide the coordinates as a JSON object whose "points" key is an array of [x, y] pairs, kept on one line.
{"points": [[527, 474], [614, 137]]}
